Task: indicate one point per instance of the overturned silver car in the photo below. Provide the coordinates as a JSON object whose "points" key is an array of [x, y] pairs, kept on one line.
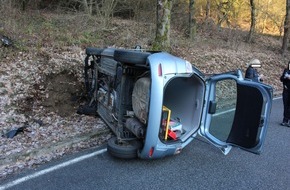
{"points": [[156, 104]]}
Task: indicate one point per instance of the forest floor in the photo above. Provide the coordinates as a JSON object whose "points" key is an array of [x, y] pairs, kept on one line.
{"points": [[40, 90]]}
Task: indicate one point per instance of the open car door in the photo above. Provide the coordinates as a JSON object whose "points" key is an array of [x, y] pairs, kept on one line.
{"points": [[236, 112]]}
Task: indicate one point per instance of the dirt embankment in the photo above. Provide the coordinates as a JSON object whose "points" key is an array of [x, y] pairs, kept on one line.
{"points": [[42, 93]]}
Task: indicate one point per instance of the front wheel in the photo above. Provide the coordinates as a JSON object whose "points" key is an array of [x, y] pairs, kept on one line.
{"points": [[123, 149]]}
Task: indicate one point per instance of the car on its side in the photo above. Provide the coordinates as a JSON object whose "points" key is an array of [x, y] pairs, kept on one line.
{"points": [[156, 103]]}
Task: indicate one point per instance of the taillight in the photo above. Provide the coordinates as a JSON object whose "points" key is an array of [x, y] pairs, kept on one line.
{"points": [[151, 151], [159, 70]]}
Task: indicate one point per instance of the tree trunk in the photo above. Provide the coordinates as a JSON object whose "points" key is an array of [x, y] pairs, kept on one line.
{"points": [[253, 21], [224, 10], [87, 4], [24, 5], [192, 21], [286, 28], [162, 39], [265, 18], [207, 10]]}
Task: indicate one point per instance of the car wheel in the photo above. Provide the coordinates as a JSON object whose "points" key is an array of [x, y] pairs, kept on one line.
{"points": [[124, 149], [94, 51], [131, 57]]}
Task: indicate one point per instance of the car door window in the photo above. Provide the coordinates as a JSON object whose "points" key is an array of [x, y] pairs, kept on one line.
{"points": [[226, 99]]}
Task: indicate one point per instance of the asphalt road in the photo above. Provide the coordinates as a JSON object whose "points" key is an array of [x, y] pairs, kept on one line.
{"points": [[199, 166]]}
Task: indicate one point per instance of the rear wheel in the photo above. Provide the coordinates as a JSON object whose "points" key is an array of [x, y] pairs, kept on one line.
{"points": [[123, 149]]}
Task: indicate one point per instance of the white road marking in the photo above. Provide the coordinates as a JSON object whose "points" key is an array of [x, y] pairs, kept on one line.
{"points": [[230, 110], [224, 112], [48, 170]]}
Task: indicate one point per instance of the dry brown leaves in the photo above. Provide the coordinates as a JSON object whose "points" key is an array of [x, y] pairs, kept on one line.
{"points": [[19, 77]]}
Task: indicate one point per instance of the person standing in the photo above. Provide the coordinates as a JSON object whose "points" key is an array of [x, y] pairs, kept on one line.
{"points": [[285, 79], [252, 71]]}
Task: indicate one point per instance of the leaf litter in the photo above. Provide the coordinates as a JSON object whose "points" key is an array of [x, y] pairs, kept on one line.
{"points": [[39, 96]]}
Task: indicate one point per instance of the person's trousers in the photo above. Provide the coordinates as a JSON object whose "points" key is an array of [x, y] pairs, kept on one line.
{"points": [[286, 103]]}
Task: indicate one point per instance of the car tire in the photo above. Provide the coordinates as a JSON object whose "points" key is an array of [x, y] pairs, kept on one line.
{"points": [[94, 51], [125, 150], [131, 57]]}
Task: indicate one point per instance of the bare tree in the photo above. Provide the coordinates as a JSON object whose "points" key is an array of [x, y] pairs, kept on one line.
{"points": [[286, 28], [207, 9], [192, 21], [224, 10], [162, 39], [253, 21], [24, 4], [105, 10], [88, 4]]}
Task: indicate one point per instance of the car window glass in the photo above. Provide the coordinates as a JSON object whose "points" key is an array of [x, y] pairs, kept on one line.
{"points": [[222, 119]]}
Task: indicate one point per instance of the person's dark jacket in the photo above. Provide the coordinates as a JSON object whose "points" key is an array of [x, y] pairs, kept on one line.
{"points": [[251, 73], [286, 82]]}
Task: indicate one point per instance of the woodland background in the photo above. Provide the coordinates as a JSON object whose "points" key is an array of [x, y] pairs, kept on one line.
{"points": [[42, 53], [187, 16]]}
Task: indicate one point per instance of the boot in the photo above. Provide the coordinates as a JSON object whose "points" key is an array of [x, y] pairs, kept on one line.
{"points": [[288, 123], [285, 122]]}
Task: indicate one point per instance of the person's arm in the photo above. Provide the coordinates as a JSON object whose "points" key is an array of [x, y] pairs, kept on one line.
{"points": [[282, 78], [254, 75], [261, 78], [249, 73]]}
